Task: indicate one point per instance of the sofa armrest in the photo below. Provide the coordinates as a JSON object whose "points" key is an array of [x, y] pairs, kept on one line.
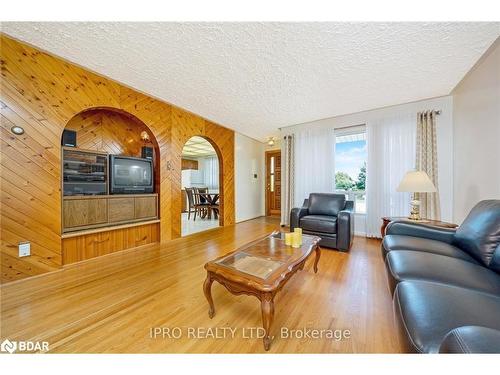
{"points": [[345, 227], [407, 228], [298, 212], [471, 339]]}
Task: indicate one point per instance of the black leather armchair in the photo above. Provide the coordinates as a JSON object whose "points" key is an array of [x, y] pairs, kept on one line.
{"points": [[328, 216]]}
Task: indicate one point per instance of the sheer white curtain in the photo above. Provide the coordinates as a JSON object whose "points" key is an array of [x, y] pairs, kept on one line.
{"points": [[391, 153], [314, 163], [211, 172]]}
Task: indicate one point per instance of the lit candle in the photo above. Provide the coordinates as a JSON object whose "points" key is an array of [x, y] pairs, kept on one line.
{"points": [[288, 239]]}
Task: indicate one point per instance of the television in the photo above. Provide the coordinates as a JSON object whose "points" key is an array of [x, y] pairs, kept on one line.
{"points": [[130, 175]]}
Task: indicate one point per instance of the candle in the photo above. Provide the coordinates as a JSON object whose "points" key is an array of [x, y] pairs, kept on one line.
{"points": [[296, 239], [288, 239], [298, 233]]}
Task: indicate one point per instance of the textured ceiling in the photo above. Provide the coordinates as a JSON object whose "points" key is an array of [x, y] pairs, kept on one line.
{"points": [[257, 77]]}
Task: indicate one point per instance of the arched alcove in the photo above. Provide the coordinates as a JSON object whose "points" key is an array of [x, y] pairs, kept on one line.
{"points": [[97, 219], [116, 132]]}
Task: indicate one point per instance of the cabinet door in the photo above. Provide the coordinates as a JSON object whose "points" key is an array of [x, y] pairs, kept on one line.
{"points": [[75, 213], [145, 207], [120, 209], [84, 212], [189, 164], [97, 211]]}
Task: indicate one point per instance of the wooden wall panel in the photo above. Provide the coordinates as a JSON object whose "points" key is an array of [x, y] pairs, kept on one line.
{"points": [[76, 249], [108, 131], [42, 94]]}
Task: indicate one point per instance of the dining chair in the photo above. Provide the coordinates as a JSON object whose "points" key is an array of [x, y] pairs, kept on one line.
{"points": [[200, 203], [203, 190], [191, 202]]}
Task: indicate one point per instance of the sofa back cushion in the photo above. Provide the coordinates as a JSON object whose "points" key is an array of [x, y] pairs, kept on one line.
{"points": [[326, 204], [479, 234]]}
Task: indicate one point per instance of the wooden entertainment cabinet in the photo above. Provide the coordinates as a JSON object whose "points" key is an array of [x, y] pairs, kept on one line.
{"points": [[86, 202], [87, 212]]}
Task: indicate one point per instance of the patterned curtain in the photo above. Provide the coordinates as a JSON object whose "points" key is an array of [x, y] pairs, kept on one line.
{"points": [[287, 178], [427, 161]]}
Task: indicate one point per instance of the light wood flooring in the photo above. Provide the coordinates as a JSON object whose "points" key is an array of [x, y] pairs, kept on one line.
{"points": [[110, 304]]}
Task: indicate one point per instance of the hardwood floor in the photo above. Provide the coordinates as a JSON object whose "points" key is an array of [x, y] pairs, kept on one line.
{"points": [[110, 304]]}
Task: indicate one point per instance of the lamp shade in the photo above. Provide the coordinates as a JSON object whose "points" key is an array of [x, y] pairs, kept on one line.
{"points": [[416, 182]]}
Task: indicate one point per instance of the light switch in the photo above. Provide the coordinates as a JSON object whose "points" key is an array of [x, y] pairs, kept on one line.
{"points": [[24, 249]]}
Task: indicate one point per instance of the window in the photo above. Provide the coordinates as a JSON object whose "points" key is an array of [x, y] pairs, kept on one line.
{"points": [[350, 165]]}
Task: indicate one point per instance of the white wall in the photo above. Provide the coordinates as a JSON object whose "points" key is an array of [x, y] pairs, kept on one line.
{"points": [[249, 191], [476, 115], [444, 142]]}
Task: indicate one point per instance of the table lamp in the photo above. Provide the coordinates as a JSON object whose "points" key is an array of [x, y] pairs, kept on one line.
{"points": [[416, 182]]}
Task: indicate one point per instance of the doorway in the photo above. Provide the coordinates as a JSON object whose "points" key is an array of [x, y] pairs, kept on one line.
{"points": [[273, 182], [200, 184]]}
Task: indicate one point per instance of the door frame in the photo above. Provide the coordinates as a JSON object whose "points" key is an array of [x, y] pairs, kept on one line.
{"points": [[267, 182]]}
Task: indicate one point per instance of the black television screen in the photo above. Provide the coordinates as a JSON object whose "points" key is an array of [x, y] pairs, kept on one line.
{"points": [[131, 175]]}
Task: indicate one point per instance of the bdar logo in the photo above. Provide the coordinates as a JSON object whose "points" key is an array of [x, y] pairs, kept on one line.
{"points": [[8, 346]]}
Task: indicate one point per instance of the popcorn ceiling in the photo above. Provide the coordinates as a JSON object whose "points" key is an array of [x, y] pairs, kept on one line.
{"points": [[257, 77]]}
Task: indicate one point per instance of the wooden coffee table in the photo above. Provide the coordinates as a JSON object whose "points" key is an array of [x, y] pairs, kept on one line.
{"points": [[260, 269]]}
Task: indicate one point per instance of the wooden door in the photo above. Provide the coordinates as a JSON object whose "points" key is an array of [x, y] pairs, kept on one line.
{"points": [[273, 182]]}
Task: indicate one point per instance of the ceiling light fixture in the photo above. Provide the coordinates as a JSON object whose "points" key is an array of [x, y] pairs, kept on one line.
{"points": [[270, 142], [17, 130]]}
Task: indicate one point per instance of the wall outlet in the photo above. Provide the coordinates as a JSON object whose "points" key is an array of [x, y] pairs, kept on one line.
{"points": [[24, 249]]}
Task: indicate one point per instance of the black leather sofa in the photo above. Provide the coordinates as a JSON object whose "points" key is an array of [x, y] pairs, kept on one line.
{"points": [[446, 283], [328, 216]]}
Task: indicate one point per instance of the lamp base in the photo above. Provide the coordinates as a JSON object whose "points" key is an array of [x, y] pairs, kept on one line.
{"points": [[415, 210]]}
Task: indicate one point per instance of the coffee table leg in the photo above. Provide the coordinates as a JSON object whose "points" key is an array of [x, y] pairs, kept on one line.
{"points": [[267, 307], [207, 289], [316, 261]]}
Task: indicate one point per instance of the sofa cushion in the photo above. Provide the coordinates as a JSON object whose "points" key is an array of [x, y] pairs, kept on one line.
{"points": [[416, 265], [400, 242], [427, 311], [326, 204], [319, 223], [479, 234], [471, 339]]}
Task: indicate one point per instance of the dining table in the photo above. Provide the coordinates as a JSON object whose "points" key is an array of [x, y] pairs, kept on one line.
{"points": [[213, 202]]}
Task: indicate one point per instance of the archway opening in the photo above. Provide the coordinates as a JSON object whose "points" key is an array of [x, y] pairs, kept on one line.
{"points": [[201, 184]]}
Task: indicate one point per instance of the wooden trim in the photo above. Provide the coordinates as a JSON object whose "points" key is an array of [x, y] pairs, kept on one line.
{"points": [[108, 229]]}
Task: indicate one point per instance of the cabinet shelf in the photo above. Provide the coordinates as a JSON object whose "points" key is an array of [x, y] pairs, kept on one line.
{"points": [[84, 172]]}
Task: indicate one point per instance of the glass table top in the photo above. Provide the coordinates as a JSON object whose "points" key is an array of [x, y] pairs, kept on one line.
{"points": [[251, 264], [262, 258]]}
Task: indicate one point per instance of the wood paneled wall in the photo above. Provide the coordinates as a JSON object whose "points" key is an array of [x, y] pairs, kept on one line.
{"points": [[108, 131], [42, 94]]}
